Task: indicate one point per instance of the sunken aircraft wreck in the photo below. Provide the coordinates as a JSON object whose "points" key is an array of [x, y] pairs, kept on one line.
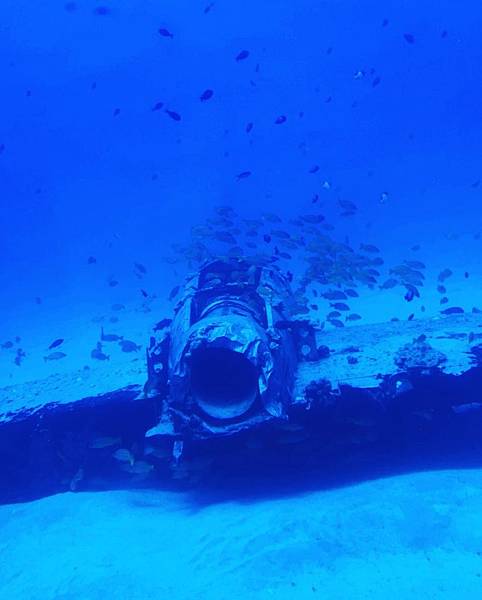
{"points": [[236, 378]]}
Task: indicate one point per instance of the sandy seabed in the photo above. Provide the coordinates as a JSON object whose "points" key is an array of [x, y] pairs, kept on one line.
{"points": [[417, 535]]}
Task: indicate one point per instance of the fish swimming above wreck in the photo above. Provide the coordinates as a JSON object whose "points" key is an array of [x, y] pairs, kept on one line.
{"points": [[241, 307], [240, 357]]}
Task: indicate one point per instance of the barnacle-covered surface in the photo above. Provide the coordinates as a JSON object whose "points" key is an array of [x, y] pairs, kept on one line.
{"points": [[361, 356], [97, 384]]}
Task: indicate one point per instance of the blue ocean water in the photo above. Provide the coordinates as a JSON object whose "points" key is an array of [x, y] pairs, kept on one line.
{"points": [[125, 127]]}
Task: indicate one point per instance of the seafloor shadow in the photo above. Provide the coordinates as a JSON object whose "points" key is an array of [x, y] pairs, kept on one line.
{"points": [[355, 439]]}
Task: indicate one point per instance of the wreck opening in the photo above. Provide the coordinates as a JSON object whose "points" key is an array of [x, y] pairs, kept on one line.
{"points": [[224, 383]]}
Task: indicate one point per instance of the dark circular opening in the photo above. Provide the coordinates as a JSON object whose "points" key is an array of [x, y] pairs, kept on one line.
{"points": [[223, 383]]}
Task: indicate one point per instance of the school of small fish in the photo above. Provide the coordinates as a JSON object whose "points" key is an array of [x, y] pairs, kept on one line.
{"points": [[325, 274], [320, 268]]}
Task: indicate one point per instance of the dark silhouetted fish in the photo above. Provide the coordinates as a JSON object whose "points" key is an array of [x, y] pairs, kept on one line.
{"points": [[102, 11], [173, 114], [109, 337], [389, 283], [349, 206], [206, 95], [339, 306], [55, 356], [409, 296], [412, 290], [20, 355], [334, 295], [351, 293], [353, 317], [56, 343], [174, 292], [443, 275], [162, 324], [242, 55], [128, 346], [163, 32], [453, 310], [97, 353], [140, 267]]}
